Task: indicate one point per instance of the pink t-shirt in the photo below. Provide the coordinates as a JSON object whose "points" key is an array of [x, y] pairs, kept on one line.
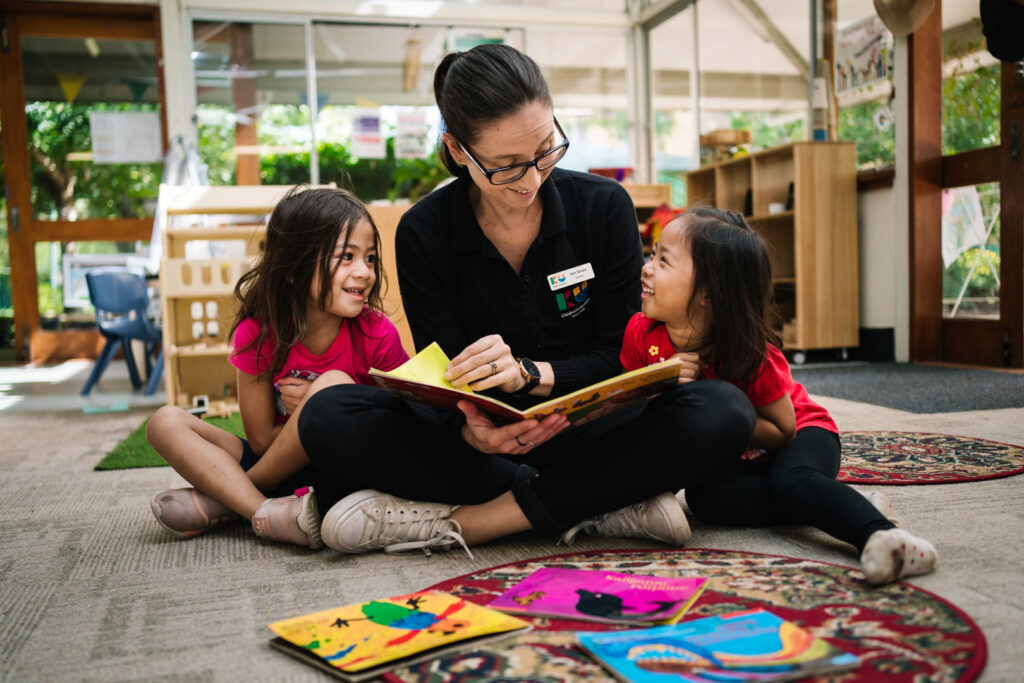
{"points": [[646, 342], [379, 347]]}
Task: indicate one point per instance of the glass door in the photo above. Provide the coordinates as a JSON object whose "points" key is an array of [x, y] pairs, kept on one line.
{"points": [[83, 145], [981, 205]]}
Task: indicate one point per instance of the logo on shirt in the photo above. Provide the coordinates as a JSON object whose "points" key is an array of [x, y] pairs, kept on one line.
{"points": [[572, 301], [653, 349]]}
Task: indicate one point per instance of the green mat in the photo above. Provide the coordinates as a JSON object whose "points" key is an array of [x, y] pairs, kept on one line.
{"points": [[134, 451]]}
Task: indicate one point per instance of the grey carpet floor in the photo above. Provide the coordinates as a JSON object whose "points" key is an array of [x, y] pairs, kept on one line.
{"points": [[915, 388], [92, 589]]}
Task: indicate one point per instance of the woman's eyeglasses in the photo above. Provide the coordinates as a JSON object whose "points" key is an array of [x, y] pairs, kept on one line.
{"points": [[510, 174]]}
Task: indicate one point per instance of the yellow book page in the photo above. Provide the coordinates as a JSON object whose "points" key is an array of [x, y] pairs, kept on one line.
{"points": [[427, 367], [356, 637]]}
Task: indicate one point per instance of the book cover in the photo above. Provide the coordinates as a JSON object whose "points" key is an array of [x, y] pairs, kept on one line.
{"points": [[753, 645], [608, 597], [421, 378], [363, 640]]}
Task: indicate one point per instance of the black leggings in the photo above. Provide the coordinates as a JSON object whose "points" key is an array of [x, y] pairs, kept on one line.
{"points": [[796, 485], [360, 437]]}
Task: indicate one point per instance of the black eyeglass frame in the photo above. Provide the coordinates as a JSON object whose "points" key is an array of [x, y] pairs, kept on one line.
{"points": [[491, 172]]}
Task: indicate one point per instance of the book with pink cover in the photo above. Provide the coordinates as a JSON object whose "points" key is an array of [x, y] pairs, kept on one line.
{"points": [[608, 597]]}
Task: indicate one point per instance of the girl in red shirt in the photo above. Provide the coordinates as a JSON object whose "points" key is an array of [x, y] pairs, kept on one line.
{"points": [[309, 318], [706, 295]]}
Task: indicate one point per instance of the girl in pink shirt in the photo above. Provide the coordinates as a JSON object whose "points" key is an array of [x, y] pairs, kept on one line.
{"points": [[706, 294], [309, 318]]}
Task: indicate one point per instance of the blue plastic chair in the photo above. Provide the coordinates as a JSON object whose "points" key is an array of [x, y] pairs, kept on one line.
{"points": [[121, 300]]}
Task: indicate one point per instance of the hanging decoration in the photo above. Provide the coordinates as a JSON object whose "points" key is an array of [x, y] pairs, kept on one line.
{"points": [[138, 88], [70, 84], [412, 66]]}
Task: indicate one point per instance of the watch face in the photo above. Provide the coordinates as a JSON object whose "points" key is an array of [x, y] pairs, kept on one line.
{"points": [[529, 369]]}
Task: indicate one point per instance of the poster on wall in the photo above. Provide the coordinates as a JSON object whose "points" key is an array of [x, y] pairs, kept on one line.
{"points": [[411, 135], [863, 57], [125, 137], [367, 136]]}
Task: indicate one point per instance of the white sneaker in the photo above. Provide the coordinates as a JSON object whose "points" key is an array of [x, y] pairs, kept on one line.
{"points": [[370, 520], [661, 518], [883, 505]]}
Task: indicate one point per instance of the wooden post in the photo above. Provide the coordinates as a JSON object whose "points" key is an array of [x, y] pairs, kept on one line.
{"points": [[243, 99], [1011, 199], [18, 188], [925, 57]]}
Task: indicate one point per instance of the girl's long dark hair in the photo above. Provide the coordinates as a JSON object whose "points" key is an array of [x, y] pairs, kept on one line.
{"points": [[302, 235], [731, 268], [481, 85]]}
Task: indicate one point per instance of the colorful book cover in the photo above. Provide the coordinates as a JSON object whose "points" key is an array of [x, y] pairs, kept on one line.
{"points": [[754, 645], [365, 639], [602, 596], [421, 378]]}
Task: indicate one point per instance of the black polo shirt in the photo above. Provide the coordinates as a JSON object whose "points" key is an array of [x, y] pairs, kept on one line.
{"points": [[457, 288]]}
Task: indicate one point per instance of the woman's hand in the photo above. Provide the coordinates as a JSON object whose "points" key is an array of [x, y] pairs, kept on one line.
{"points": [[692, 367], [513, 439], [487, 362]]}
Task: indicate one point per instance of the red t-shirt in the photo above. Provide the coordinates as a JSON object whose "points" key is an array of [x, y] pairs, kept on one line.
{"points": [[379, 347], [647, 342]]}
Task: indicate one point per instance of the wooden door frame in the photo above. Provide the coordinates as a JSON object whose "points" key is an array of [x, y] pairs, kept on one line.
{"points": [[59, 19], [931, 337]]}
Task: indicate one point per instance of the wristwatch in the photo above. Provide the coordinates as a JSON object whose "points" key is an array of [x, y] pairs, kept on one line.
{"points": [[530, 372]]}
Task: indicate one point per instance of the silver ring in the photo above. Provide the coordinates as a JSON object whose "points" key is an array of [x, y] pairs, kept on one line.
{"points": [[494, 370]]}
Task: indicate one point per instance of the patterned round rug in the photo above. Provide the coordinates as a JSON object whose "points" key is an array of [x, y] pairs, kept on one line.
{"points": [[918, 458], [900, 632]]}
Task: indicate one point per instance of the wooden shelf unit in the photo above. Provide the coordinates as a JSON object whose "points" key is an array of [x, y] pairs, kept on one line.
{"points": [[197, 295], [812, 244]]}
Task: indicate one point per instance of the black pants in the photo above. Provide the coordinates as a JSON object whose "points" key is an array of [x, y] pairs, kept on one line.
{"points": [[797, 485], [361, 437]]}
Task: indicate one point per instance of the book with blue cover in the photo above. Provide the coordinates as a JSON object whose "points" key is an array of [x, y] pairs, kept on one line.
{"points": [[753, 645]]}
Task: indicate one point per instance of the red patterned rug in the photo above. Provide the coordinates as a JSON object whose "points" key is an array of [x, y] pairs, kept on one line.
{"points": [[900, 632], [918, 458]]}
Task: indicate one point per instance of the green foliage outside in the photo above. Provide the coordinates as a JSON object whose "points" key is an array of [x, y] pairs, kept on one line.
{"points": [[876, 147], [970, 110], [768, 129], [983, 281], [371, 179], [62, 187]]}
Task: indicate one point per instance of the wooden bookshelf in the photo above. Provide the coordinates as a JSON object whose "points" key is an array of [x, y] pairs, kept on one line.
{"points": [[812, 242]]}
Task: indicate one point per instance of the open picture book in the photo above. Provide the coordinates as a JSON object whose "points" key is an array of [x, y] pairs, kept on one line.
{"points": [[608, 597], [754, 645], [421, 378], [363, 640]]}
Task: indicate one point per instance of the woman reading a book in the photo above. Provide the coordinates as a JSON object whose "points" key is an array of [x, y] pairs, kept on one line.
{"points": [[525, 274]]}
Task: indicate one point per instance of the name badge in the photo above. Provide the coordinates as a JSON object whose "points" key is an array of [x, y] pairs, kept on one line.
{"points": [[567, 278]]}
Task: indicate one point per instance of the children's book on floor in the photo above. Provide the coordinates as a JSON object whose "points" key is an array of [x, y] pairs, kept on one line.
{"points": [[753, 645], [421, 378], [608, 597], [363, 640]]}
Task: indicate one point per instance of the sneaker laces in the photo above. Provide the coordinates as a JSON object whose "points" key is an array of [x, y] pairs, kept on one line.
{"points": [[442, 534], [618, 523], [400, 526]]}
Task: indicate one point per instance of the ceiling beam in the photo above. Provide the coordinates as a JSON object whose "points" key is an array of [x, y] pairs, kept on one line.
{"points": [[762, 24]]}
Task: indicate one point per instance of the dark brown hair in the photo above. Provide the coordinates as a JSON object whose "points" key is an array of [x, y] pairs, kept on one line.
{"points": [[731, 268], [302, 235], [482, 85]]}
